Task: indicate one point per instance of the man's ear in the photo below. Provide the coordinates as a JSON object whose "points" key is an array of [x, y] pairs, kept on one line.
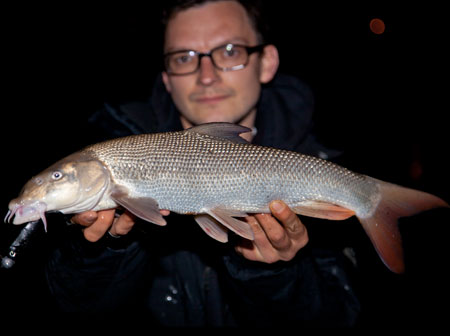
{"points": [[269, 63], [165, 78]]}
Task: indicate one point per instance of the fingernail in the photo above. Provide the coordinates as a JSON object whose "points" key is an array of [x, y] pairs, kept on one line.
{"points": [[90, 218], [277, 206]]}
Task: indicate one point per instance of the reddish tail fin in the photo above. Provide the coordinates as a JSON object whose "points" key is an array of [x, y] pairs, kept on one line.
{"points": [[382, 226]]}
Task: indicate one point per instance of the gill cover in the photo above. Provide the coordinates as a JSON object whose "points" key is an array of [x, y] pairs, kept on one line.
{"points": [[83, 183]]}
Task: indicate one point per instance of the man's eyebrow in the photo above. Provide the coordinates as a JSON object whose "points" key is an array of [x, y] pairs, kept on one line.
{"points": [[172, 49], [235, 40]]}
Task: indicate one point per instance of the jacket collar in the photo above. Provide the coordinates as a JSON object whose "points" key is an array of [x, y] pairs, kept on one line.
{"points": [[284, 115]]}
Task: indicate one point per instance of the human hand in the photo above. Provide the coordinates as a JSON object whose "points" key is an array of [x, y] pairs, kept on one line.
{"points": [[278, 236], [97, 223]]}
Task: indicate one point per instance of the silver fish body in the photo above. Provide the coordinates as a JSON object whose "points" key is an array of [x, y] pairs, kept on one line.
{"points": [[211, 172], [188, 172]]}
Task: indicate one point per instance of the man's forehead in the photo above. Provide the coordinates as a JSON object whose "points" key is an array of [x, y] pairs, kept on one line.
{"points": [[204, 27]]}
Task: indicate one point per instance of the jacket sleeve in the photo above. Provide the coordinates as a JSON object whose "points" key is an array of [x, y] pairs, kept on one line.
{"points": [[90, 277], [312, 289], [108, 274]]}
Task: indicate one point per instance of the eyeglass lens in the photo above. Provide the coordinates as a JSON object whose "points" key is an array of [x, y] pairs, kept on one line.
{"points": [[226, 58]]}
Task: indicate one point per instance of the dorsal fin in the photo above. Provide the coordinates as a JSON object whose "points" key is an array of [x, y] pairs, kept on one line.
{"points": [[223, 130]]}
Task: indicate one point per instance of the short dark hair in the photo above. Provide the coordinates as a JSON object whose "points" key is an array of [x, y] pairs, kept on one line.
{"points": [[254, 10]]}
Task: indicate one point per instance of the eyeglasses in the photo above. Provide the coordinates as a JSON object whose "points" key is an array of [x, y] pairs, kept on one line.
{"points": [[229, 57]]}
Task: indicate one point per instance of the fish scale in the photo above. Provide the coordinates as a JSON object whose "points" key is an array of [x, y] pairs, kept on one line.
{"points": [[211, 172], [184, 171]]}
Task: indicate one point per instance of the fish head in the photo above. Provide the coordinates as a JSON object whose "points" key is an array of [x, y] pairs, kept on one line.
{"points": [[74, 184]]}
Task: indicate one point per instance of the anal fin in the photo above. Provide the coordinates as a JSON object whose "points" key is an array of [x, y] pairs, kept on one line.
{"points": [[322, 210]]}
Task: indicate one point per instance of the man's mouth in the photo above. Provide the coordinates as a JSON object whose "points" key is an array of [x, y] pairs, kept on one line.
{"points": [[211, 95], [210, 99]]}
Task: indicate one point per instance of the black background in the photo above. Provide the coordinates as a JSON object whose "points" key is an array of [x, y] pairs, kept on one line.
{"points": [[380, 98]]}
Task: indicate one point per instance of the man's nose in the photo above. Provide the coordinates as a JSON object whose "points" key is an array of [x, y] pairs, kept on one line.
{"points": [[207, 73]]}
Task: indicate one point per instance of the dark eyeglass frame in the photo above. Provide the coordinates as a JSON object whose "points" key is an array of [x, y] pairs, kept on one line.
{"points": [[249, 50]]}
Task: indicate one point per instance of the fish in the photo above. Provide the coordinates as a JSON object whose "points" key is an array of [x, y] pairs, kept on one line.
{"points": [[211, 172]]}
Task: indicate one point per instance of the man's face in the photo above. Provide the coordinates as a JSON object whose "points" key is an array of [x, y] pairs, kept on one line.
{"points": [[210, 94]]}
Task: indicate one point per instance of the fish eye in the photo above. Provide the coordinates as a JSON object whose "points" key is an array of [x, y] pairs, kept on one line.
{"points": [[56, 175]]}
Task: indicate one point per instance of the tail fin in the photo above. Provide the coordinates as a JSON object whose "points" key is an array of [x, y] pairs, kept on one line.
{"points": [[382, 226]]}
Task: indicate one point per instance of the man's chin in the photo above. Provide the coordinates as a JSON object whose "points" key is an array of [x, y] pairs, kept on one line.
{"points": [[214, 117]]}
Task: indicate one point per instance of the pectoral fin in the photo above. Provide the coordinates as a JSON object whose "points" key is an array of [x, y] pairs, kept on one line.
{"points": [[143, 207], [212, 227], [323, 210], [225, 217]]}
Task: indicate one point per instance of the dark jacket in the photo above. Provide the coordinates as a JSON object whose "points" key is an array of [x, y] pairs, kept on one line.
{"points": [[180, 275]]}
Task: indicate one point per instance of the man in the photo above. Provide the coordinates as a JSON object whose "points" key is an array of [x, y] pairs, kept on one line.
{"points": [[207, 95], [215, 65]]}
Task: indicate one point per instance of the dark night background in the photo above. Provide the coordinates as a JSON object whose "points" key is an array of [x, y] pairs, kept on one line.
{"points": [[379, 98]]}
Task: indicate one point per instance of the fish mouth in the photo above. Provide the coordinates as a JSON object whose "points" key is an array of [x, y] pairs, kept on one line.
{"points": [[24, 213]]}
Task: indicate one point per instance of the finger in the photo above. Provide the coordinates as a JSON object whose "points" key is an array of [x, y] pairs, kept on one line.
{"points": [[294, 227], [285, 245], [261, 248], [86, 218], [249, 248], [164, 212], [260, 237], [274, 231], [122, 225], [249, 251], [98, 229]]}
